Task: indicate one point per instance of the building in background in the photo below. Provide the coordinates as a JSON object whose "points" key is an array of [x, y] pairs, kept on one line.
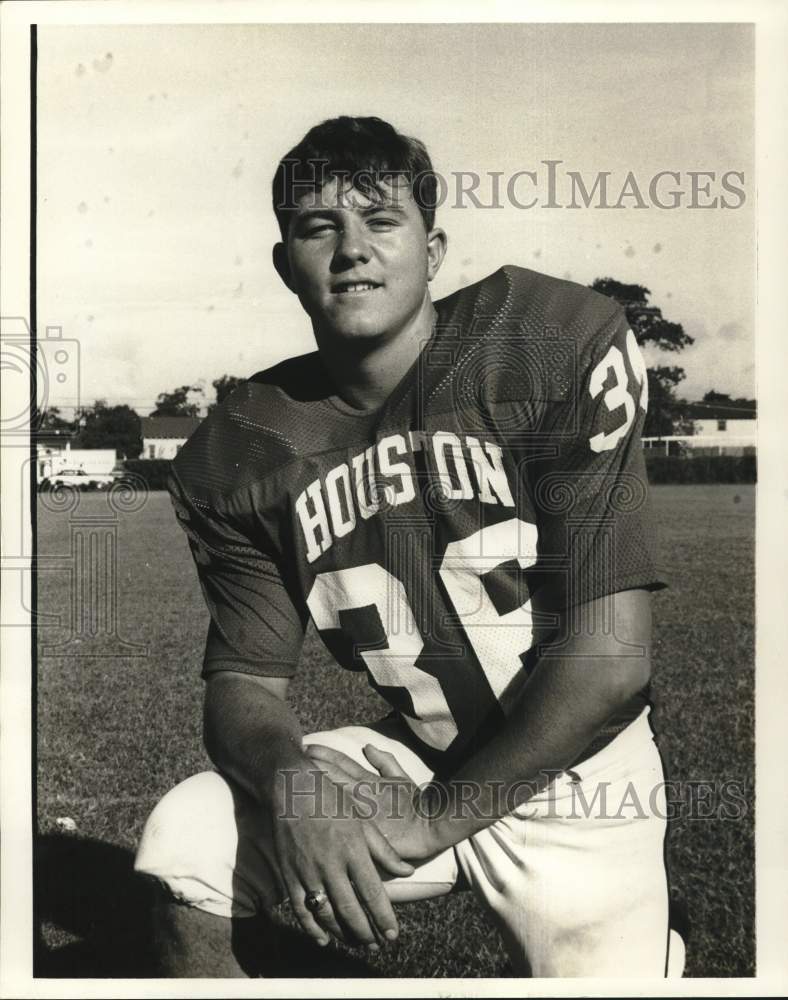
{"points": [[163, 437], [722, 424], [717, 429]]}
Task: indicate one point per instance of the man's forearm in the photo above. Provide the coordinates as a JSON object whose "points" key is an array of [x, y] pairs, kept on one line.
{"points": [[251, 735], [558, 714], [562, 707]]}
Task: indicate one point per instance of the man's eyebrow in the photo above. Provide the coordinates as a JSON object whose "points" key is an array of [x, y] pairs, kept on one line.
{"points": [[332, 211], [304, 214], [386, 206]]}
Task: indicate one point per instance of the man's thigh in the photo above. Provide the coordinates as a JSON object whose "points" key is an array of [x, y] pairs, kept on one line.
{"points": [[208, 843], [576, 886], [575, 879]]}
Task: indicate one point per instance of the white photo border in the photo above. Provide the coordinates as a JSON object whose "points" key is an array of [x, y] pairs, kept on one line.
{"points": [[16, 703]]}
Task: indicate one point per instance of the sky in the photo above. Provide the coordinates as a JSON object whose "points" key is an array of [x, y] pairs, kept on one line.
{"points": [[156, 146]]}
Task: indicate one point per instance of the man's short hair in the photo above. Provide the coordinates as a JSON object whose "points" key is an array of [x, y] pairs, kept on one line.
{"points": [[366, 153]]}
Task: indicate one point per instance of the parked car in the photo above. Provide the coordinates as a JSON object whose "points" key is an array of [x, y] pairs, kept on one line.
{"points": [[80, 480]]}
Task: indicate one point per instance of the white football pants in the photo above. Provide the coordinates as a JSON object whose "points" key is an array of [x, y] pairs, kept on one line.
{"points": [[575, 880]]}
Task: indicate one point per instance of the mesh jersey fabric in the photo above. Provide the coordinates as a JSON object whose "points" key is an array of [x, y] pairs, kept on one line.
{"points": [[505, 466]]}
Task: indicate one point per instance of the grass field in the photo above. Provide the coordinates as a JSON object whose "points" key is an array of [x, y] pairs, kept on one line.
{"points": [[116, 731]]}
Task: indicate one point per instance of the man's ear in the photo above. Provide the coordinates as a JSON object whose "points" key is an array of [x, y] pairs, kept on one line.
{"points": [[436, 251], [282, 264]]}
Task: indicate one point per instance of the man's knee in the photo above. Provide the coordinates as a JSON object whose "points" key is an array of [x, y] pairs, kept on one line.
{"points": [[191, 845]]}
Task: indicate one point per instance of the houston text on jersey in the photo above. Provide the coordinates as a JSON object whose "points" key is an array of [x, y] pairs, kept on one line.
{"points": [[461, 469]]}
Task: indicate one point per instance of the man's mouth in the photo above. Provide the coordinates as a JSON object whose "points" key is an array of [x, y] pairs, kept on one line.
{"points": [[354, 287]]}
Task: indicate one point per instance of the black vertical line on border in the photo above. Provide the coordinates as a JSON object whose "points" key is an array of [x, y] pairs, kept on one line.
{"points": [[32, 481]]}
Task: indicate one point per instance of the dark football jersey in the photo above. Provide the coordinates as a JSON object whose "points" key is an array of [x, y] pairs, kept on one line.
{"points": [[504, 475]]}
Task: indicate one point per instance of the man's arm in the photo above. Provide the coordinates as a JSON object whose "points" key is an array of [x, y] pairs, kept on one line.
{"points": [[238, 709], [577, 686], [590, 674], [571, 693], [567, 699], [253, 736]]}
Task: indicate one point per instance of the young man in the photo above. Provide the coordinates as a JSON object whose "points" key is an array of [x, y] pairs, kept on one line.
{"points": [[455, 494]]}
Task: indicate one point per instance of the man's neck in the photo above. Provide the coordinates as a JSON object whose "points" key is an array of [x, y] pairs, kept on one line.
{"points": [[365, 374]]}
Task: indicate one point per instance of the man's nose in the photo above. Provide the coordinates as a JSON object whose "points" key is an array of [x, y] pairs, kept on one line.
{"points": [[352, 247]]}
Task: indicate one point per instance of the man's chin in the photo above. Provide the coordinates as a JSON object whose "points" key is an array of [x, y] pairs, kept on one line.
{"points": [[362, 332]]}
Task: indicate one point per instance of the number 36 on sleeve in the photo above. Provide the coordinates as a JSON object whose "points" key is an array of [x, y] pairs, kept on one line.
{"points": [[618, 394]]}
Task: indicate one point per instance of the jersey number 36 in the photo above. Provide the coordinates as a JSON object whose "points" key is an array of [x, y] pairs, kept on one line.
{"points": [[465, 561]]}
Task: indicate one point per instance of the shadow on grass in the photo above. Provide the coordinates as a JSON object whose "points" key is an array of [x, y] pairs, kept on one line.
{"points": [[87, 890]]}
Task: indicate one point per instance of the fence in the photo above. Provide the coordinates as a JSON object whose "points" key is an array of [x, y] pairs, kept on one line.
{"points": [[699, 445]]}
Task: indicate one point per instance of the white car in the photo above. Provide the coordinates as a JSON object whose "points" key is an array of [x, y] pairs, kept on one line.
{"points": [[80, 480]]}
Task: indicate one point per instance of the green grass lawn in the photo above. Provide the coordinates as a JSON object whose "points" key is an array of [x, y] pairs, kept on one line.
{"points": [[117, 731]]}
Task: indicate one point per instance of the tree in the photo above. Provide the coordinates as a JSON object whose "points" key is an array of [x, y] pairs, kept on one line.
{"points": [[646, 321], [664, 415], [51, 421], [712, 396], [115, 427], [177, 403], [224, 385], [723, 400]]}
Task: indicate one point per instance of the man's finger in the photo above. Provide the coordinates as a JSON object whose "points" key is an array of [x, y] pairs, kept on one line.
{"points": [[336, 773], [372, 893], [327, 755], [297, 895], [384, 855], [384, 762], [349, 912], [326, 918]]}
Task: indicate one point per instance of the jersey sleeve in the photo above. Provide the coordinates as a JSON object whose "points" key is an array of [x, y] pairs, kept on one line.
{"points": [[591, 488], [255, 626]]}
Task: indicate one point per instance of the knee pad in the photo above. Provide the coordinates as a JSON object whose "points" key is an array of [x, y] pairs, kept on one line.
{"points": [[190, 845]]}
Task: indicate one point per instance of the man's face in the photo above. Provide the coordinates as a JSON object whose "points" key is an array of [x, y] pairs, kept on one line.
{"points": [[360, 264]]}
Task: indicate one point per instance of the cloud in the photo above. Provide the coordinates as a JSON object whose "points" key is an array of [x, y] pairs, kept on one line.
{"points": [[723, 361], [731, 331]]}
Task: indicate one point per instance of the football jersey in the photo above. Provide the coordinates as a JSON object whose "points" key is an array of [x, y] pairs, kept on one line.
{"points": [[433, 540]]}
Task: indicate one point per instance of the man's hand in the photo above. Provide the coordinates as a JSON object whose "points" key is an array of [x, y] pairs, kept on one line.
{"points": [[312, 842], [574, 688], [386, 795], [321, 846]]}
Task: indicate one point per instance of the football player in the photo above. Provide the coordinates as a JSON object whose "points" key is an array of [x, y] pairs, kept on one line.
{"points": [[455, 494]]}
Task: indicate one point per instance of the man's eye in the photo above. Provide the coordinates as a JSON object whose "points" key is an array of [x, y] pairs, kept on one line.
{"points": [[318, 230], [379, 223]]}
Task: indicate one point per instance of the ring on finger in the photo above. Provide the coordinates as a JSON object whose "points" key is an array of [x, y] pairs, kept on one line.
{"points": [[315, 901]]}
